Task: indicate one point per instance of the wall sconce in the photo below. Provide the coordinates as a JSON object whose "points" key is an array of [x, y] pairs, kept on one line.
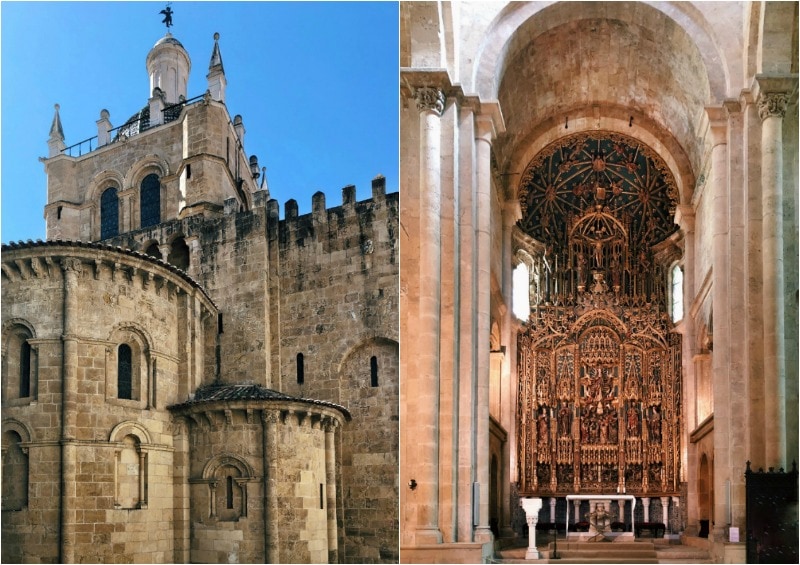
{"points": [[412, 484]]}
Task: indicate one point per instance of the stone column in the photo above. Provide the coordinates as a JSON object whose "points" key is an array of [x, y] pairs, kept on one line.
{"points": [[552, 509], [330, 493], [212, 490], [483, 203], [577, 505], [771, 110], [269, 425], [71, 269], [508, 398], [621, 504], [164, 250], [720, 278], [142, 475], [193, 242], [646, 508], [531, 506], [676, 511], [430, 103], [665, 510]]}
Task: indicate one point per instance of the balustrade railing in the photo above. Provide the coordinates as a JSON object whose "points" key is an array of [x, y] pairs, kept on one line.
{"points": [[130, 128]]}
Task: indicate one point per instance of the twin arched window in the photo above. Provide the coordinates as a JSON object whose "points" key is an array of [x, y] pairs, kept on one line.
{"points": [[149, 206]]}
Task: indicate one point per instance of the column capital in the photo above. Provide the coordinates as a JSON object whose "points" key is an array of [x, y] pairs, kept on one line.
{"points": [[772, 105], [718, 124], [684, 217], [430, 99]]}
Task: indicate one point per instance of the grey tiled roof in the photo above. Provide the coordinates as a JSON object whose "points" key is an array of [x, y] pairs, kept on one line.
{"points": [[228, 393]]}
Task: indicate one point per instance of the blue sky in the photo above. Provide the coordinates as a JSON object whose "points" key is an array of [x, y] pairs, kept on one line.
{"points": [[315, 83]]}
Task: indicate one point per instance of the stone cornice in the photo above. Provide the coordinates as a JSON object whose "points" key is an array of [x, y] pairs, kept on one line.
{"points": [[42, 259]]}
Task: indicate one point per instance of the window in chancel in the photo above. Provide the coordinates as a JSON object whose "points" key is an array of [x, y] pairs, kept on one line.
{"points": [[676, 293], [520, 282], [150, 201], [109, 213]]}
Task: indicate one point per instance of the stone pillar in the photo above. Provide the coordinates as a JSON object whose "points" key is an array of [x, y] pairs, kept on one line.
{"points": [[771, 110], [665, 510], [103, 127], [71, 269], [646, 508], [483, 203], [330, 493], [142, 475], [164, 250], [425, 386], [193, 243], [553, 509], [212, 489], [531, 506], [508, 398], [577, 505], [269, 424], [676, 510], [720, 358], [621, 504]]}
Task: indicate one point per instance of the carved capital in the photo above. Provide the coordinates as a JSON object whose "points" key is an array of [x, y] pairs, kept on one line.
{"points": [[772, 105], [71, 265], [430, 99], [269, 417]]}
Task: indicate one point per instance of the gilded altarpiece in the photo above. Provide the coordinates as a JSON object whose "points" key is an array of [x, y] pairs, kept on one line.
{"points": [[599, 409], [599, 368]]}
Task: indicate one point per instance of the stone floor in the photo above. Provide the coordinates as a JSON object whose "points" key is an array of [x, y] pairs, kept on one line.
{"points": [[639, 551]]}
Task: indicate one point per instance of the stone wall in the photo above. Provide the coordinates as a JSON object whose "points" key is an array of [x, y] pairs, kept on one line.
{"points": [[334, 296]]}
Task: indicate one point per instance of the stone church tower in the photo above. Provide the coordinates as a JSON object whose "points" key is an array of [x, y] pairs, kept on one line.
{"points": [[187, 378], [599, 264]]}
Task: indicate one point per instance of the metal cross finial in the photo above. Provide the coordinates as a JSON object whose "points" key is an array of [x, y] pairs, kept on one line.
{"points": [[167, 16]]}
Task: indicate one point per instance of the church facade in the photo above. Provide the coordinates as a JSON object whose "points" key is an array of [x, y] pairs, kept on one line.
{"points": [[599, 267], [186, 376]]}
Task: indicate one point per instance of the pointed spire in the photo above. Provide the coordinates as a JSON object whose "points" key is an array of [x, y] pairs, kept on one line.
{"points": [[56, 131], [216, 73], [216, 57], [56, 141], [264, 185]]}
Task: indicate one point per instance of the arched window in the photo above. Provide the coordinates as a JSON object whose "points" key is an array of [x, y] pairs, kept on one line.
{"points": [[373, 370], [179, 254], [229, 492], [19, 364], [109, 213], [131, 463], [153, 250], [150, 201], [520, 282], [124, 372], [676, 293], [300, 369], [25, 370], [15, 472]]}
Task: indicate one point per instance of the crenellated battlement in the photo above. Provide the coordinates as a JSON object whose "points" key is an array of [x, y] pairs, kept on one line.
{"points": [[348, 225]]}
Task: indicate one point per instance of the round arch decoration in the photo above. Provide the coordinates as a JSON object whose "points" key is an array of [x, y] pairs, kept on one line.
{"points": [[124, 429]]}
